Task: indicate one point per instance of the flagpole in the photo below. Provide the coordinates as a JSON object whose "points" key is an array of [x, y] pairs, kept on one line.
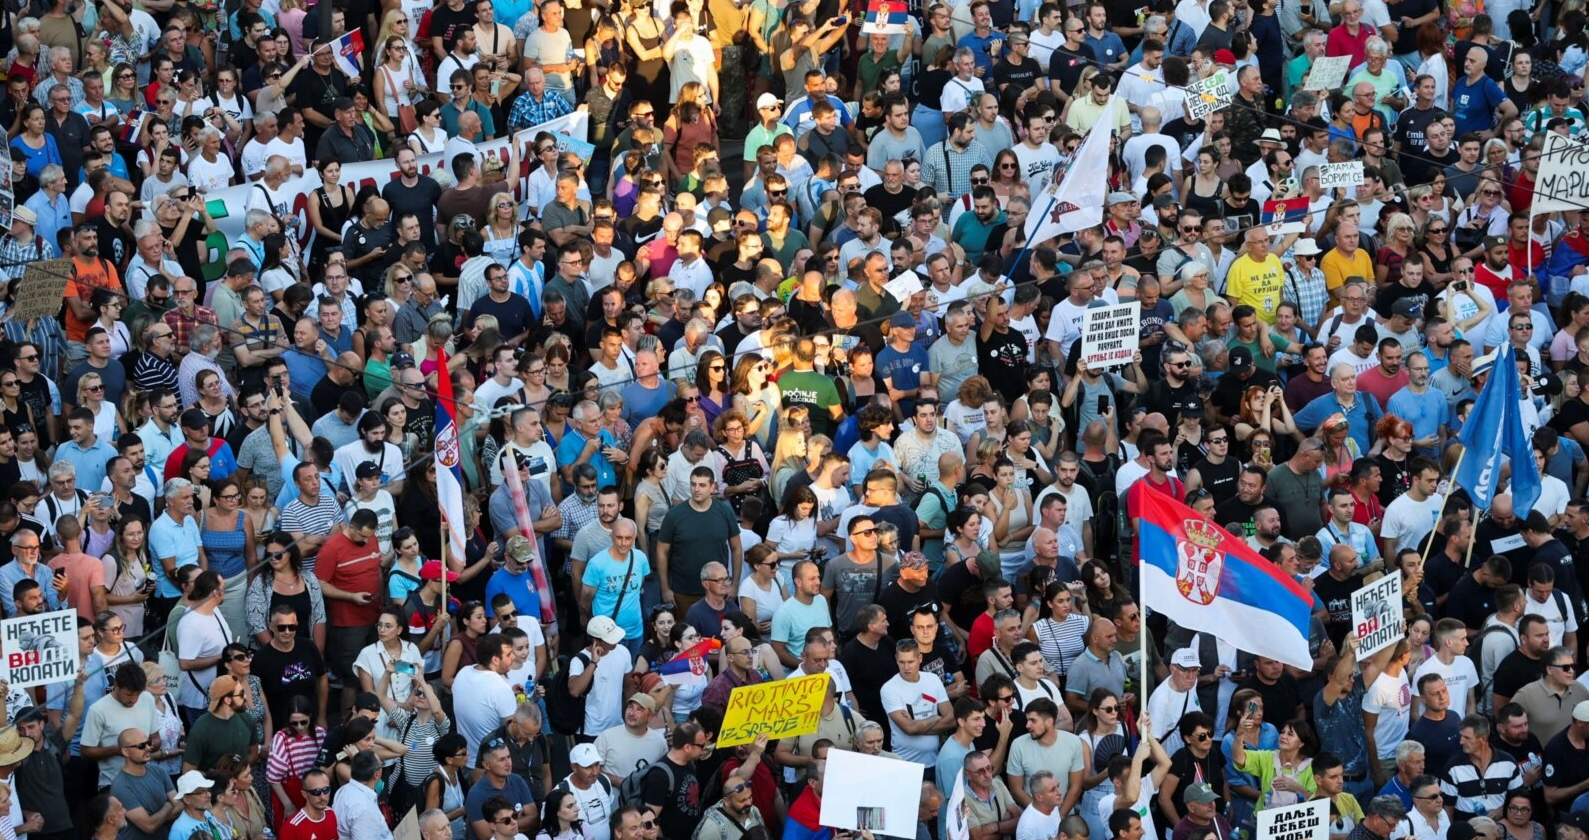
{"points": [[1053, 196], [1441, 514]]}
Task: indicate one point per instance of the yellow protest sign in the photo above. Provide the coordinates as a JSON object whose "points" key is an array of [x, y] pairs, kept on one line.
{"points": [[779, 709]]}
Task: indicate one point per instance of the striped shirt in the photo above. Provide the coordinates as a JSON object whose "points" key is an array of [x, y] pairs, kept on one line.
{"points": [[1472, 792], [1061, 643], [291, 757], [150, 372], [319, 518]]}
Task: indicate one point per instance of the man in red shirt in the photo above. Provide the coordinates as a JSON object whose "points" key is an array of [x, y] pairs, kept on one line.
{"points": [[349, 568], [316, 821], [1495, 270], [1525, 255]]}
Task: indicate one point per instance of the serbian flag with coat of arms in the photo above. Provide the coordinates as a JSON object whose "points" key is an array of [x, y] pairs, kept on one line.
{"points": [[449, 472], [885, 17], [1284, 210], [346, 51], [1204, 579]]}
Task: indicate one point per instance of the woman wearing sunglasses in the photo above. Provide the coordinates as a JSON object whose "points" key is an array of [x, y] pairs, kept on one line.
{"points": [[294, 751]]}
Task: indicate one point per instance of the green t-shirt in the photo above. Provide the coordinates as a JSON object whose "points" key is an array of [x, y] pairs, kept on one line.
{"points": [[1265, 766], [814, 391], [1281, 343], [211, 738]]}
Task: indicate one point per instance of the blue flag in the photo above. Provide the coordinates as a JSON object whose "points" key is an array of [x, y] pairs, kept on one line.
{"points": [[1495, 429]]}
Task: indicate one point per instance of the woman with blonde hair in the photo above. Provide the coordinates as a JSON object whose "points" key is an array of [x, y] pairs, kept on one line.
{"points": [[1397, 248], [501, 229], [788, 458], [1340, 450], [108, 422], [167, 759], [1082, 91]]}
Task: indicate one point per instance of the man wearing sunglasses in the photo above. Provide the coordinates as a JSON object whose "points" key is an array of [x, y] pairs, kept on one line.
{"points": [[146, 796], [733, 816], [316, 821], [288, 667]]}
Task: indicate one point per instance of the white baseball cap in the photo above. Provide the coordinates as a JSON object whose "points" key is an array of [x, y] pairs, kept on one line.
{"points": [[192, 782], [1186, 658], [584, 755], [604, 628]]}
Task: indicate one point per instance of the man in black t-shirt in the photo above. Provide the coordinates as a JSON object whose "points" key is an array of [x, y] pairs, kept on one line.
{"points": [[1524, 665], [672, 787], [1069, 60], [289, 667]]}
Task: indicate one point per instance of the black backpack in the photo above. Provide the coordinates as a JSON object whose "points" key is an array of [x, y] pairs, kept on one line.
{"points": [[565, 712]]}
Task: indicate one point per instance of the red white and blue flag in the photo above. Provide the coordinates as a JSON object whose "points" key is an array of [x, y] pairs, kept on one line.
{"points": [[1204, 579], [133, 126], [346, 51], [449, 472], [691, 664], [1285, 210], [885, 17]]}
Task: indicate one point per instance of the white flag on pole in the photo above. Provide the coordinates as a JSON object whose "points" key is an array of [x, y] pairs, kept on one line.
{"points": [[1075, 199]]}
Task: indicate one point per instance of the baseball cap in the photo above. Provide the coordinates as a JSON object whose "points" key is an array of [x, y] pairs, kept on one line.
{"points": [[223, 685], [1406, 307], [368, 469], [1120, 197], [1575, 819], [644, 701], [1224, 57], [584, 755], [1186, 658], [1494, 242], [519, 548], [1580, 712], [1240, 359], [402, 359], [342, 103], [194, 419], [767, 100], [902, 319], [432, 571], [604, 628], [1201, 793]]}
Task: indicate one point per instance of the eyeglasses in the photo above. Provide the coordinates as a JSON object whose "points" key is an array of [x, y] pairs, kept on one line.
{"points": [[241, 657], [980, 181], [142, 746]]}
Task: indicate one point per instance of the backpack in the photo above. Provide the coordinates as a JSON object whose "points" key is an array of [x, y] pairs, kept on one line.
{"points": [[565, 712], [1476, 654], [631, 791]]}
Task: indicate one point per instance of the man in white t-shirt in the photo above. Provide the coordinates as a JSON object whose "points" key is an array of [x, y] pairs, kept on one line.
{"points": [[592, 789], [482, 700], [622, 748], [289, 141], [1387, 712], [1450, 640], [1175, 697], [597, 674], [1411, 516], [1543, 599], [918, 707], [1040, 820]]}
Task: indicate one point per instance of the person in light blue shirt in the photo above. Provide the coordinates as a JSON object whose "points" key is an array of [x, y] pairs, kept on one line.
{"points": [[173, 539], [613, 580], [84, 450], [50, 204], [1340, 528], [197, 795], [1361, 411], [1422, 406], [27, 548], [876, 425]]}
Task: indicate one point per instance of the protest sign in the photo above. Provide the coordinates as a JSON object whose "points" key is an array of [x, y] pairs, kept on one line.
{"points": [[1205, 96], [957, 817], [903, 286], [1563, 176], [780, 709], [1376, 615], [1109, 335], [41, 291], [1305, 821], [856, 787], [1348, 175], [1328, 72], [40, 649]]}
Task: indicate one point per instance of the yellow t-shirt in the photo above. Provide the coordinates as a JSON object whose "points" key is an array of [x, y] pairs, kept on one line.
{"points": [[1257, 284], [1337, 267]]}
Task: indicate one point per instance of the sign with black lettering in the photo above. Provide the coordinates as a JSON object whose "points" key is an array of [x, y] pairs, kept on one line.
{"points": [[1205, 96], [1109, 335], [40, 649], [1305, 821], [1348, 175], [1563, 175], [1376, 615]]}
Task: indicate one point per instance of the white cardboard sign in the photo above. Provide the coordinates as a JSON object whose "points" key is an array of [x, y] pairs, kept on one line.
{"points": [[1376, 615], [1110, 335], [1348, 175]]}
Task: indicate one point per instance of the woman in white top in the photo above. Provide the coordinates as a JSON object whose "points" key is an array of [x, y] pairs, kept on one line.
{"points": [[389, 649], [794, 531], [108, 305], [398, 79], [429, 137], [761, 593], [1012, 518], [501, 230], [108, 422], [688, 688]]}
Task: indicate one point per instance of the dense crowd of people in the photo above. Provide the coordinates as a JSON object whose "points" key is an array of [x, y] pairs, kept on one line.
{"points": [[823, 412]]}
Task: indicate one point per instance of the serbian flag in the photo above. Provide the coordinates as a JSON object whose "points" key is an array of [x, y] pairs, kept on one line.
{"points": [[449, 474], [1285, 210], [526, 523], [346, 51], [885, 17], [690, 664], [134, 126], [1569, 252], [1204, 579]]}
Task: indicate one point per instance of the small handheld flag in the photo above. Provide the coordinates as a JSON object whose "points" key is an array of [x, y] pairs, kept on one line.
{"points": [[1285, 210], [885, 17], [134, 127], [345, 52]]}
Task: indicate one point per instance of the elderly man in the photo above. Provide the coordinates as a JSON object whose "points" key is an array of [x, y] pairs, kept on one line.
{"points": [[204, 345], [50, 205], [538, 104], [183, 321]]}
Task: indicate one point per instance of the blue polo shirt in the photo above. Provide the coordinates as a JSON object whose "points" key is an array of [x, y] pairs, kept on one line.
{"points": [[1365, 412], [90, 462]]}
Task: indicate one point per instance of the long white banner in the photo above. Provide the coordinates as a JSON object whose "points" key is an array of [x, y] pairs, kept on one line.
{"points": [[377, 173]]}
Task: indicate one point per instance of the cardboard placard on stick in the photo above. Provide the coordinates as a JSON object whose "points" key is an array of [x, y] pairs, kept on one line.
{"points": [[855, 781], [1377, 618], [1348, 175], [1110, 335], [1328, 72], [1305, 821], [40, 649], [1563, 175], [41, 290]]}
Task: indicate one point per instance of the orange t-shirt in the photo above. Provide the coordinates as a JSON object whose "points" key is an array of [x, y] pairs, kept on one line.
{"points": [[83, 573], [88, 275]]}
